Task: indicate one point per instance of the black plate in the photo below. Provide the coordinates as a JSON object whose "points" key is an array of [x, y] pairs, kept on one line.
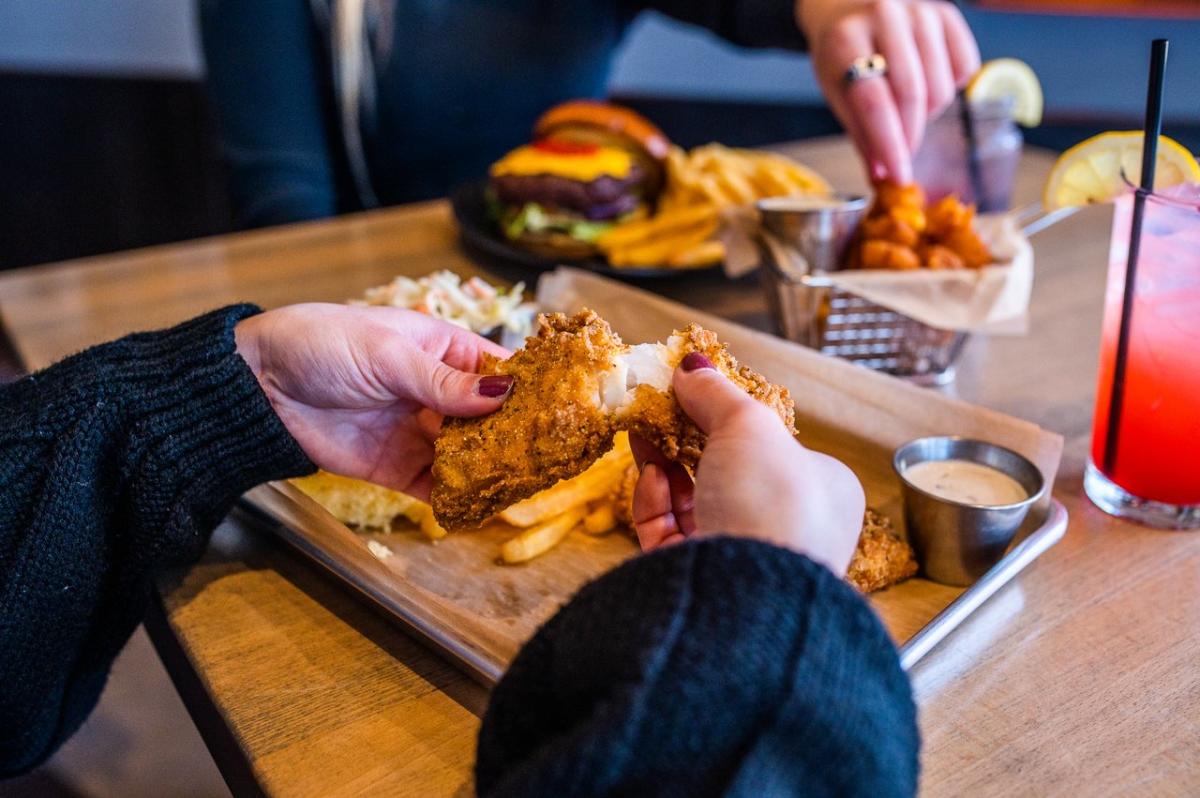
{"points": [[479, 233]]}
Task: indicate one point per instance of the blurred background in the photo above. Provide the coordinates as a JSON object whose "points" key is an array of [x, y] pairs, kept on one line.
{"points": [[107, 142]]}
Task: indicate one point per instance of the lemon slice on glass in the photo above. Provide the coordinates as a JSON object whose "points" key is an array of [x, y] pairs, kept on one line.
{"points": [[1091, 170], [1008, 78]]}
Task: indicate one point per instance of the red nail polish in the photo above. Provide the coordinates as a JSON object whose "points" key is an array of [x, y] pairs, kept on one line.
{"points": [[877, 171], [495, 385], [694, 360]]}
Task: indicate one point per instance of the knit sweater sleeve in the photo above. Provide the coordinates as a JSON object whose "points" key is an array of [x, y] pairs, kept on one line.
{"points": [[114, 463], [716, 667]]}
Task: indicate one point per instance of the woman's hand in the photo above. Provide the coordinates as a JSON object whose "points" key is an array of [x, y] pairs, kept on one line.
{"points": [[930, 53], [363, 389], [754, 480]]}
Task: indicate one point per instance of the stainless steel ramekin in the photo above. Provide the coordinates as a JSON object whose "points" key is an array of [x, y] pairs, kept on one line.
{"points": [[956, 543]]}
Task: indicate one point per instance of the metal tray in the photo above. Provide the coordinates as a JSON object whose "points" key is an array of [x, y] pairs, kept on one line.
{"points": [[1016, 560], [298, 521]]}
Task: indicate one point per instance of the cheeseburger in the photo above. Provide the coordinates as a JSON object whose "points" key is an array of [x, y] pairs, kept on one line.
{"points": [[590, 165]]}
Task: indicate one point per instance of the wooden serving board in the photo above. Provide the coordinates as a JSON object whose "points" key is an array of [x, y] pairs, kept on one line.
{"points": [[457, 596]]}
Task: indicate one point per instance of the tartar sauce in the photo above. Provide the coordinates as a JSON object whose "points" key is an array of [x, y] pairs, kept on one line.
{"points": [[965, 482]]}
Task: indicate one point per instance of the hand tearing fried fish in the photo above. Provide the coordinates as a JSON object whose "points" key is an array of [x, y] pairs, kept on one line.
{"points": [[576, 384]]}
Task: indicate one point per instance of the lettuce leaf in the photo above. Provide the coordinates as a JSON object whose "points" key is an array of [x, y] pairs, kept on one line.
{"points": [[534, 218]]}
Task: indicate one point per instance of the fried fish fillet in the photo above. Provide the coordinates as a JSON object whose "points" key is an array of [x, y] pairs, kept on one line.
{"points": [[576, 384], [882, 558]]}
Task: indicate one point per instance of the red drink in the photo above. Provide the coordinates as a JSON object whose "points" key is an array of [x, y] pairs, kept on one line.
{"points": [[1154, 474]]}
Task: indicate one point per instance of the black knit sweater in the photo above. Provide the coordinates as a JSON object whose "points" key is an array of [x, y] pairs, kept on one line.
{"points": [[718, 667]]}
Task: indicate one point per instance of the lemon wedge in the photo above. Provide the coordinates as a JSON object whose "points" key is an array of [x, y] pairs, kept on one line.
{"points": [[1091, 170], [1008, 78]]}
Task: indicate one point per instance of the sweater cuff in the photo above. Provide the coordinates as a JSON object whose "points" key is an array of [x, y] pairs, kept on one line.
{"points": [[203, 425], [198, 431]]}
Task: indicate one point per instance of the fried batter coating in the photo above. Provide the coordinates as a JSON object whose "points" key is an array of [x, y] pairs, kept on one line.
{"points": [[935, 256], [967, 245], [898, 233], [886, 255], [889, 227], [881, 558], [576, 385], [897, 195], [549, 428], [947, 215]]}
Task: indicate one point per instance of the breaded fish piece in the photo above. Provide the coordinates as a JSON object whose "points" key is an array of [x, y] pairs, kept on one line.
{"points": [[882, 558], [576, 385]]}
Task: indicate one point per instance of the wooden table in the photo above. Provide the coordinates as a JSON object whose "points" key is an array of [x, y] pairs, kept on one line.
{"points": [[1080, 677]]}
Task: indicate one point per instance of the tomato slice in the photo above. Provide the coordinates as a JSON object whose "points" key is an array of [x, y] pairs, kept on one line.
{"points": [[564, 147]]}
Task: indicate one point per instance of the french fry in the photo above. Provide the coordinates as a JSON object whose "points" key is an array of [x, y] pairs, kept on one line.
{"points": [[714, 193], [770, 183], [681, 198], [626, 234], [703, 254], [601, 520], [429, 525], [699, 185], [539, 539], [680, 171], [804, 178], [778, 179], [421, 514], [595, 483], [660, 249], [736, 186]]}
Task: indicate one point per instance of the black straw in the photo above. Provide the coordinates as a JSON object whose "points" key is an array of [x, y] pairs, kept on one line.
{"points": [[1153, 129], [973, 170]]}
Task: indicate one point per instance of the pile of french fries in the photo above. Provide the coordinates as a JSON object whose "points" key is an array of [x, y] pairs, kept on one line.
{"points": [[700, 185], [592, 502]]}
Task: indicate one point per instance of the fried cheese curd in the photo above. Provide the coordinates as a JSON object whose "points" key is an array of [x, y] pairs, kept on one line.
{"points": [[901, 233], [576, 384]]}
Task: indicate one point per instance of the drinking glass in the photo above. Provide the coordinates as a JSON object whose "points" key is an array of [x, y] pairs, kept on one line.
{"points": [[941, 165], [1152, 473]]}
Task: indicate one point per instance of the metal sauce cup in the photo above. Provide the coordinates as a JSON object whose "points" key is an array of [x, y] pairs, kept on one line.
{"points": [[955, 542], [804, 237], [816, 228]]}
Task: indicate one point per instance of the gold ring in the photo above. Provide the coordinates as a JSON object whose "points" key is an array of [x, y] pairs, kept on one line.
{"points": [[866, 66]]}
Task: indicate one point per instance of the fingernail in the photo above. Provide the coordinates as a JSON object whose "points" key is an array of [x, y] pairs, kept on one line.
{"points": [[494, 386], [877, 171], [694, 360]]}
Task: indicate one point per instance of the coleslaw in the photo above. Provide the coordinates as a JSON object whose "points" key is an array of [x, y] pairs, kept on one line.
{"points": [[473, 304]]}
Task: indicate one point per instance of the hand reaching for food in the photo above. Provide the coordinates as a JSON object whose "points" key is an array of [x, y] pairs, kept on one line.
{"points": [[753, 480], [886, 67], [363, 390]]}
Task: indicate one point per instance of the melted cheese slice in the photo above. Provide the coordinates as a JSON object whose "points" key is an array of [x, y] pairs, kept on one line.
{"points": [[529, 160]]}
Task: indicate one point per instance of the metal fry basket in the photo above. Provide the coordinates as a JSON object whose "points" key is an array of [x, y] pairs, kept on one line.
{"points": [[803, 241]]}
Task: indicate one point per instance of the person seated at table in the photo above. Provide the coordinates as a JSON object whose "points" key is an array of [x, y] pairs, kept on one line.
{"points": [[730, 659], [329, 106]]}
